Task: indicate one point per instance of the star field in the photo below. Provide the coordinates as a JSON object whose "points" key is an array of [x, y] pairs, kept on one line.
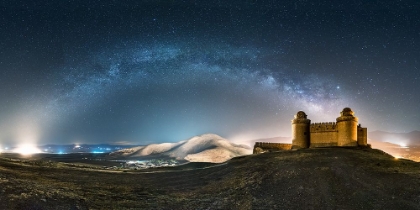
{"points": [[161, 71]]}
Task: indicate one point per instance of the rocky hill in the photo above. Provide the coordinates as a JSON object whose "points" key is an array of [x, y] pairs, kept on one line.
{"points": [[204, 148], [324, 178]]}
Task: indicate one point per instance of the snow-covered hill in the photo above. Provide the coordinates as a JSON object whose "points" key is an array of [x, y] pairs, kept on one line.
{"points": [[204, 148]]}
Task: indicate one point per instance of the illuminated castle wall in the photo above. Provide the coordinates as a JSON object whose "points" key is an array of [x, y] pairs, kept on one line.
{"points": [[345, 132]]}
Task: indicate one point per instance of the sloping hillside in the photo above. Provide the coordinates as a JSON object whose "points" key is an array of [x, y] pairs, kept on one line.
{"points": [[327, 178], [405, 145], [204, 148]]}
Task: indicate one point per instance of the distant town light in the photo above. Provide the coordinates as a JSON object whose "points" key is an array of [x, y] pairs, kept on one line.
{"points": [[403, 145], [27, 149]]}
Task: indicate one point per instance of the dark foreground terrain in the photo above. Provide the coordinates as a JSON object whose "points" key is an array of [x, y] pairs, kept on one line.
{"points": [[330, 178]]}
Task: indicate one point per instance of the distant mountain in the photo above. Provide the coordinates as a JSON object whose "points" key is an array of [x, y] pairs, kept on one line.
{"points": [[411, 138], [205, 148]]}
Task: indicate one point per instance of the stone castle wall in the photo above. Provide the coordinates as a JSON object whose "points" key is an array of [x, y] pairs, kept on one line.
{"points": [[362, 136], [323, 126], [261, 147], [323, 134]]}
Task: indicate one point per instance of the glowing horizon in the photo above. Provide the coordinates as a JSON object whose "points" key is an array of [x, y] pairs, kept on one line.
{"points": [[27, 149]]}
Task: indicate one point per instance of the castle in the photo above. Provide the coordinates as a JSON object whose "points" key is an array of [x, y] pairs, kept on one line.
{"points": [[345, 132]]}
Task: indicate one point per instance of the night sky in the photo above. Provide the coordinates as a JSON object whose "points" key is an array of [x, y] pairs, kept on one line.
{"points": [[85, 71]]}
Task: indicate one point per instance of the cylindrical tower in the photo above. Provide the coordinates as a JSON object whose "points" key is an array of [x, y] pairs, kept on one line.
{"points": [[300, 131], [347, 128]]}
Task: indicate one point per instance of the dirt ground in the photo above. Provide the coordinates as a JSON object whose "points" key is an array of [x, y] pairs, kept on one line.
{"points": [[328, 178]]}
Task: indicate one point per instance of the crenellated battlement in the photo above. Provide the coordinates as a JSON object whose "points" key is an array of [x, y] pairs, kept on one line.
{"points": [[324, 123], [323, 127]]}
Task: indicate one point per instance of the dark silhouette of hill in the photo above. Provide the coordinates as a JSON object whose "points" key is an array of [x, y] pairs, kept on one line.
{"points": [[323, 178]]}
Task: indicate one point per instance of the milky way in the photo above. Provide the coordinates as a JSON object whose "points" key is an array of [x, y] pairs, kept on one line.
{"points": [[145, 72]]}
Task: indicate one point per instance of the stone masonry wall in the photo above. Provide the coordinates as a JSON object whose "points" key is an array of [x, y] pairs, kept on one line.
{"points": [[362, 136], [323, 134], [261, 147]]}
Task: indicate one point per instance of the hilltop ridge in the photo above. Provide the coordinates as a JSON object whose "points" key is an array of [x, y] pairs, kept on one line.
{"points": [[320, 178]]}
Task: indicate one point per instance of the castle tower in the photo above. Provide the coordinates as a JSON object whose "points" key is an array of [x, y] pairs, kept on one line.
{"points": [[300, 131], [347, 128], [361, 136]]}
